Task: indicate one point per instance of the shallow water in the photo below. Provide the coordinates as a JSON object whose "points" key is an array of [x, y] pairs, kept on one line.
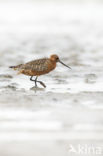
{"points": [[70, 110]]}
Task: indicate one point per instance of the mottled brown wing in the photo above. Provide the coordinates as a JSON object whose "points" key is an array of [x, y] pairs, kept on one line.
{"points": [[36, 65]]}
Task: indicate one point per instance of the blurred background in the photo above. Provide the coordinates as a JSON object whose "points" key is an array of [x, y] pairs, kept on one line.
{"points": [[70, 110]]}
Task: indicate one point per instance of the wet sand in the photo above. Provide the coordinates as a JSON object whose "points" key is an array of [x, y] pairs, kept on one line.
{"points": [[70, 110]]}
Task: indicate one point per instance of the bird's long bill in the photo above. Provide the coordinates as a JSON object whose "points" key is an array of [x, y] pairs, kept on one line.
{"points": [[64, 64]]}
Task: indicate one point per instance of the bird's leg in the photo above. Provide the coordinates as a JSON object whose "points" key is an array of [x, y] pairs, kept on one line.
{"points": [[34, 80], [42, 83], [31, 78], [37, 81]]}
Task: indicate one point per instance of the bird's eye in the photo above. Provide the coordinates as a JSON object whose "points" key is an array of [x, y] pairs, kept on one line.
{"points": [[57, 58]]}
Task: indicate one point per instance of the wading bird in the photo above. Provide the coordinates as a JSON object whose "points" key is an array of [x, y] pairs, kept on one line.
{"points": [[38, 67]]}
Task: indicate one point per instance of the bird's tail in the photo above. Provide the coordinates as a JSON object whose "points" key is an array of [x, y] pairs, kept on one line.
{"points": [[16, 67]]}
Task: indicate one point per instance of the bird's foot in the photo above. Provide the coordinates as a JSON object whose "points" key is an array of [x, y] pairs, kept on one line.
{"points": [[42, 84], [36, 86]]}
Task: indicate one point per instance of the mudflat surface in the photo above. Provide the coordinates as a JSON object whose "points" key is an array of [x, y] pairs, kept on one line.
{"points": [[69, 112]]}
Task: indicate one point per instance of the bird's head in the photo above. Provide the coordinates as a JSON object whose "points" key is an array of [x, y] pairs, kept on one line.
{"points": [[55, 58]]}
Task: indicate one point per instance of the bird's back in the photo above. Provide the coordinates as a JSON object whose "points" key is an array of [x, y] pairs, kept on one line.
{"points": [[36, 67]]}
